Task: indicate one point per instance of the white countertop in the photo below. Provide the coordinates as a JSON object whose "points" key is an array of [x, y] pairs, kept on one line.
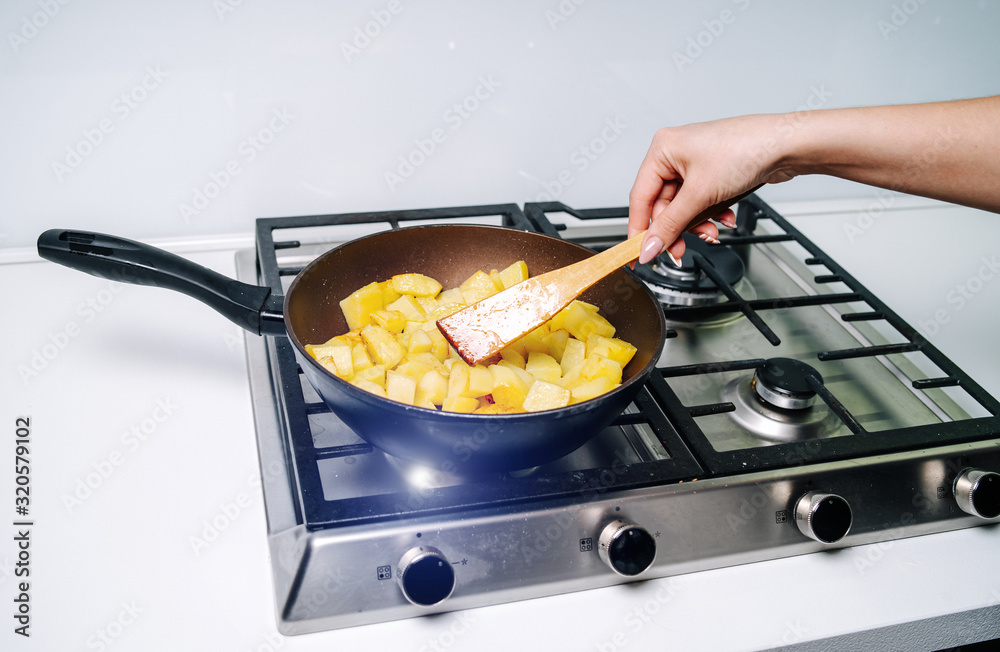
{"points": [[149, 388]]}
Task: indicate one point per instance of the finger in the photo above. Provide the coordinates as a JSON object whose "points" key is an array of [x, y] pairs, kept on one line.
{"points": [[653, 183], [676, 251], [706, 231], [640, 202], [726, 218], [668, 225], [666, 196]]}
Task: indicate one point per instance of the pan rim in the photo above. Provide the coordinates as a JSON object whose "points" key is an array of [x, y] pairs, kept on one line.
{"points": [[380, 402]]}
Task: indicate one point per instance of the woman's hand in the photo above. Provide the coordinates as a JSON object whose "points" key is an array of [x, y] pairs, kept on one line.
{"points": [[689, 169], [944, 150]]}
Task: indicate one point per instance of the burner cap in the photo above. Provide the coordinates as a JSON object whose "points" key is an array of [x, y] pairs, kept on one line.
{"points": [[686, 280], [782, 383]]}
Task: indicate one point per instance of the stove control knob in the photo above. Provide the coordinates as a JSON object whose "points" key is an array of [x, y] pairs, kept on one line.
{"points": [[627, 548], [978, 492], [425, 576], [824, 517]]}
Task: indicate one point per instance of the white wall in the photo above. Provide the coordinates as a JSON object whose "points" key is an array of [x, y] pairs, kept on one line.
{"points": [[551, 77]]}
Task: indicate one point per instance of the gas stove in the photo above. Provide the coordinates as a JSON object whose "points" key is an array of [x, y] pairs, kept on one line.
{"points": [[791, 412]]}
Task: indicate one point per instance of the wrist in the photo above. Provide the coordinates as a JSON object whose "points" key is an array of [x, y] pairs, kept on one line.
{"points": [[806, 149]]}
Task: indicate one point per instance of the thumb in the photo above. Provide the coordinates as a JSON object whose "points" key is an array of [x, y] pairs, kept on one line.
{"points": [[666, 228]]}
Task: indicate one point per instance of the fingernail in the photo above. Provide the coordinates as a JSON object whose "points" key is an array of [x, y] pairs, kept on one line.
{"points": [[708, 238], [650, 250], [673, 259], [728, 221]]}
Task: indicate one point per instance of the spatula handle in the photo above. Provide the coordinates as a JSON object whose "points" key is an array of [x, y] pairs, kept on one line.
{"points": [[620, 255]]}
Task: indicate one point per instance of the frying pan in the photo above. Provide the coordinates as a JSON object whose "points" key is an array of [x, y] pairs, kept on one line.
{"points": [[309, 313]]}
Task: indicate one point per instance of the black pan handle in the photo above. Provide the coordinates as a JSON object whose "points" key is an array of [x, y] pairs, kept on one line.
{"points": [[127, 261]]}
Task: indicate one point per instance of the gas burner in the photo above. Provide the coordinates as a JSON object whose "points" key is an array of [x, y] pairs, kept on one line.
{"points": [[783, 383], [686, 285], [777, 403]]}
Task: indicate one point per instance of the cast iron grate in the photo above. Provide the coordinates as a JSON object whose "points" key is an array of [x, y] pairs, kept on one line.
{"points": [[861, 443]]}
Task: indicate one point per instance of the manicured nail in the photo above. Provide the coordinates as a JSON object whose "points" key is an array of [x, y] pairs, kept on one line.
{"points": [[650, 249], [729, 221], [673, 259], [708, 238]]}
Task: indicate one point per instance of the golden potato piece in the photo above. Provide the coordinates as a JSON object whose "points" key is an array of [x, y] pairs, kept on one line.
{"points": [[572, 376], [597, 365], [442, 310], [514, 274], [556, 343], [470, 382], [318, 351], [494, 408], [409, 308], [573, 354], [349, 338], [518, 347], [414, 369], [439, 345], [382, 346], [525, 377], [509, 390], [543, 367], [460, 404], [432, 388], [477, 287], [391, 320], [369, 387], [374, 374], [546, 396], [428, 359], [328, 363], [400, 387], [535, 340], [611, 347], [420, 342], [592, 389], [480, 380], [359, 306], [360, 358], [454, 295], [388, 294], [416, 284], [428, 304], [511, 355], [423, 402], [581, 322], [458, 378]]}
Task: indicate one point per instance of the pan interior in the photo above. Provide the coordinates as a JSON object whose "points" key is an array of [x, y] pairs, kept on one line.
{"points": [[450, 254]]}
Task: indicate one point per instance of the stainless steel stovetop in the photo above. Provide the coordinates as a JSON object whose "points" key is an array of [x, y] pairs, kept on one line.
{"points": [[791, 412]]}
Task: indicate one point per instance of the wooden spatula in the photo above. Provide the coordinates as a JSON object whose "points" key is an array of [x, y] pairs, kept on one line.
{"points": [[484, 329]]}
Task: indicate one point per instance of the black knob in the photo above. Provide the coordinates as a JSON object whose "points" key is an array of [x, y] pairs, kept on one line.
{"points": [[425, 576], [978, 492], [627, 548], [827, 518]]}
